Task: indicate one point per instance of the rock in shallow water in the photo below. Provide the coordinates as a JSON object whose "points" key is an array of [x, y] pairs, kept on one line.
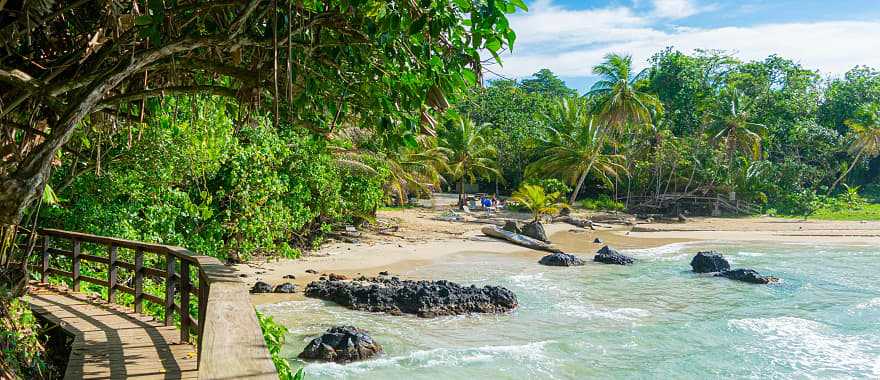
{"points": [[709, 262], [748, 275], [285, 288], [423, 298], [608, 255], [561, 260], [261, 287], [342, 344]]}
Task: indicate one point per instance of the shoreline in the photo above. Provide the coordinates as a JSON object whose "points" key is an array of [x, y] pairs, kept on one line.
{"points": [[427, 241]]}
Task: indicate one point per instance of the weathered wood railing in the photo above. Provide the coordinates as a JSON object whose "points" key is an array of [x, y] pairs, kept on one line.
{"points": [[230, 341]]}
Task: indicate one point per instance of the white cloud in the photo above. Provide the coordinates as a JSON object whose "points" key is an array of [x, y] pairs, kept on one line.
{"points": [[675, 9], [571, 42]]}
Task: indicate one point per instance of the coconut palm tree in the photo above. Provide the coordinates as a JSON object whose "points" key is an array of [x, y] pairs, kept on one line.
{"points": [[468, 154], [536, 199], [618, 102], [865, 135], [575, 148], [732, 126]]}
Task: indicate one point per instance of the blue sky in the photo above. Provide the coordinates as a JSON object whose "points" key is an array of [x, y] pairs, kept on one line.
{"points": [[570, 36]]}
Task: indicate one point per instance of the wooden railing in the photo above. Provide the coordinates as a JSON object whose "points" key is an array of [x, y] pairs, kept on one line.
{"points": [[229, 338]]}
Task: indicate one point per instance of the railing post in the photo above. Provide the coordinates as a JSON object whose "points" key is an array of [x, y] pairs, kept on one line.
{"points": [[138, 280], [111, 274], [44, 270], [75, 266], [203, 306], [184, 301], [169, 289]]}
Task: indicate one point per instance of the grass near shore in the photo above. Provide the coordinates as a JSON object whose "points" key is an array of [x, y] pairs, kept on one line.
{"points": [[870, 211]]}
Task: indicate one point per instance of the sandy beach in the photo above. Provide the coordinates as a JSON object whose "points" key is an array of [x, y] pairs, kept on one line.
{"points": [[404, 239]]}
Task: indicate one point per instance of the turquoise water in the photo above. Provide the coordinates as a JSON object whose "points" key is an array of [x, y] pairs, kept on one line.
{"points": [[654, 319]]}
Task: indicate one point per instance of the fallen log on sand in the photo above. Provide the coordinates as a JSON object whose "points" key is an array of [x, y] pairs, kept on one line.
{"points": [[515, 238]]}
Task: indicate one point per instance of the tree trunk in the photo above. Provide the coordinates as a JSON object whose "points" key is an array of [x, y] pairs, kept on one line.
{"points": [[13, 264], [461, 193], [845, 173], [577, 189]]}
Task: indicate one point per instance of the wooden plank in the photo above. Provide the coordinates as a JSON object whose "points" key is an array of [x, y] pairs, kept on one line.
{"points": [[232, 331], [94, 259], [138, 281], [59, 272], [154, 299], [169, 289], [184, 301], [44, 271], [94, 280], [111, 274], [60, 252], [152, 272], [75, 267]]}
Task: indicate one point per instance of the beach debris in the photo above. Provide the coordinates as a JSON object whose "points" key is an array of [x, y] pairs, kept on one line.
{"points": [[289, 276], [748, 275], [535, 230], [261, 287], [582, 223], [425, 299], [311, 271], [597, 241], [285, 288], [523, 240], [714, 262], [342, 344], [564, 211], [561, 260], [384, 273], [709, 262], [608, 255], [450, 216]]}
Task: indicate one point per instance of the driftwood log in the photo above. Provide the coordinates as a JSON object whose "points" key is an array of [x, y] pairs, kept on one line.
{"points": [[515, 238]]}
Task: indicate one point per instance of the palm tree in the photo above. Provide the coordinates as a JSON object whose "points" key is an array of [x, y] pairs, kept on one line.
{"points": [[618, 101], [733, 126], [535, 198], [468, 155], [865, 134], [575, 148]]}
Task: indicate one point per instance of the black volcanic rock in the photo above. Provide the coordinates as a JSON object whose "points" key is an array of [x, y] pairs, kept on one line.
{"points": [[561, 260], [709, 262], [261, 287], [608, 255], [535, 230], [423, 298], [342, 344], [748, 275], [285, 288]]}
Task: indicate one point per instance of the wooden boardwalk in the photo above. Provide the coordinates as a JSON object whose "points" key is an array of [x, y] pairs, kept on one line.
{"points": [[112, 342]]}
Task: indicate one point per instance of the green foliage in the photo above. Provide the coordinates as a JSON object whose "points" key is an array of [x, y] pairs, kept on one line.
{"points": [[602, 202], [21, 354], [275, 334], [535, 199], [468, 155], [550, 185]]}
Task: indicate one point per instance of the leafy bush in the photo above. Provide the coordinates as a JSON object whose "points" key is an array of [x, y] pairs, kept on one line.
{"points": [[275, 334], [550, 185], [21, 354], [536, 200], [602, 202]]}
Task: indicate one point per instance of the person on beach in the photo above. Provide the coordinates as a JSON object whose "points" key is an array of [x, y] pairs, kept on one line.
{"points": [[487, 205]]}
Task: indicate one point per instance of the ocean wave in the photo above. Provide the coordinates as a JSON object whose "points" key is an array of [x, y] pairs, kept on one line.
{"points": [[590, 311], [810, 347], [661, 252], [440, 357], [874, 303]]}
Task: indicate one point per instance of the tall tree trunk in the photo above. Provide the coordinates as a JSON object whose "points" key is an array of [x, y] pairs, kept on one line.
{"points": [[577, 189], [842, 176], [461, 193]]}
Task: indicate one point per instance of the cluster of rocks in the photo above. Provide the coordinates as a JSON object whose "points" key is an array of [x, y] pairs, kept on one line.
{"points": [[262, 287], [715, 263], [342, 344], [608, 255], [423, 298]]}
